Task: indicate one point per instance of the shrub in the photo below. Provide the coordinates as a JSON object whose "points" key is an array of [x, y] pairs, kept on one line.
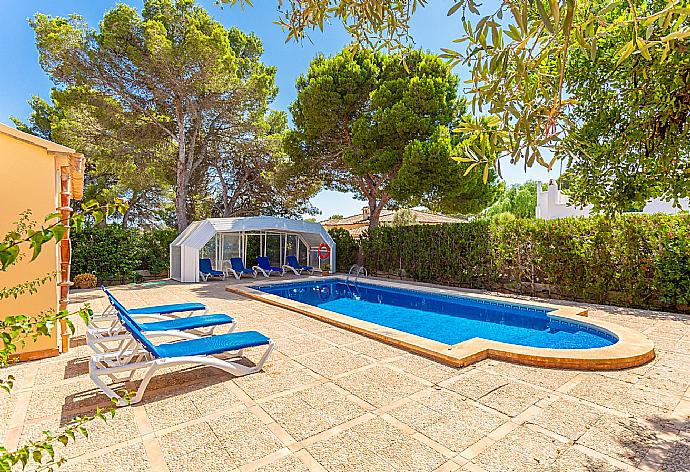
{"points": [[18, 328], [503, 217], [114, 253], [630, 260], [109, 251], [85, 281], [155, 245], [456, 254], [347, 249]]}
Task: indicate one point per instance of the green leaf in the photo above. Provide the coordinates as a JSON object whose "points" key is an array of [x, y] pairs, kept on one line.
{"points": [[36, 244], [49, 448], [625, 51], [470, 167], [519, 17], [90, 205], [59, 232], [644, 49], [676, 35], [86, 314], [555, 11], [51, 216], [455, 8], [8, 256], [70, 325], [544, 16], [97, 217], [609, 8]]}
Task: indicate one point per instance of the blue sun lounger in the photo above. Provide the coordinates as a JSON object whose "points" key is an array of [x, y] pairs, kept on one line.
{"points": [[237, 268], [294, 265], [139, 352], [264, 266], [155, 309], [206, 270], [100, 339], [190, 322]]}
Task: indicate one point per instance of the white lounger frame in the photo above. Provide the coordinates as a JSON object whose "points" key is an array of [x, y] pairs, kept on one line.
{"points": [[205, 276], [111, 313], [96, 334], [238, 275], [132, 357], [267, 273], [99, 338], [296, 270]]}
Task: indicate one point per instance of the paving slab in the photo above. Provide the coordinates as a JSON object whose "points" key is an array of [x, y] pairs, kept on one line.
{"points": [[333, 400]]}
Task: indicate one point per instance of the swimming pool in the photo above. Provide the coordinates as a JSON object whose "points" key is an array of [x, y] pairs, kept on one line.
{"points": [[446, 318]]}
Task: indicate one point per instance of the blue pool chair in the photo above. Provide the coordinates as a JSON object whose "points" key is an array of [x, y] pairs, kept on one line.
{"points": [[206, 271], [101, 339], [237, 268], [175, 308], [139, 352], [264, 266], [294, 265]]}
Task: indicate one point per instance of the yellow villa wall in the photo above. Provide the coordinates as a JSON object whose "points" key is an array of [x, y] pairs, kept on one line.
{"points": [[29, 182]]}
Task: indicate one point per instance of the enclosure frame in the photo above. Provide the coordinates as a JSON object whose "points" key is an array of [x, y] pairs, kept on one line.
{"points": [[207, 238]]}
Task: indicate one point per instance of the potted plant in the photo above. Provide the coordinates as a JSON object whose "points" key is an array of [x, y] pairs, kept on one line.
{"points": [[85, 281], [326, 270]]}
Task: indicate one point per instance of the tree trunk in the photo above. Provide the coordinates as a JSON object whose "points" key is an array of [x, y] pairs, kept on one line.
{"points": [[181, 198], [369, 189], [125, 217], [181, 179], [375, 209], [373, 214], [226, 190]]}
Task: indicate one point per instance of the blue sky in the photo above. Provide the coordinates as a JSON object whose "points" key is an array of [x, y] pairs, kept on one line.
{"points": [[431, 29]]}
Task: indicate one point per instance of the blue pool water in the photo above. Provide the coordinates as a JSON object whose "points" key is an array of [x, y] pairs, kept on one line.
{"points": [[449, 319]]}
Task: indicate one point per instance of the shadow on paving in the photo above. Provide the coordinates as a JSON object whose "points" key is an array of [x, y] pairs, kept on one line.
{"points": [[76, 368], [162, 386], [661, 448]]}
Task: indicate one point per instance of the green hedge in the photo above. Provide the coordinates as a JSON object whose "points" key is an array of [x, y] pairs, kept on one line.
{"points": [[631, 260], [347, 248], [155, 245], [113, 253], [448, 254]]}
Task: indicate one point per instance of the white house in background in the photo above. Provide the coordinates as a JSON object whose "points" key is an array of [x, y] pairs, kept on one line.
{"points": [[553, 204]]}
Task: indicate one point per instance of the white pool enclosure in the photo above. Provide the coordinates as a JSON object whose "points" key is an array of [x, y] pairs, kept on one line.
{"points": [[221, 239]]}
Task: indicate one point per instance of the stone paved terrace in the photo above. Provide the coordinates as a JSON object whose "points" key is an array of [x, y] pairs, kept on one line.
{"points": [[333, 400]]}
